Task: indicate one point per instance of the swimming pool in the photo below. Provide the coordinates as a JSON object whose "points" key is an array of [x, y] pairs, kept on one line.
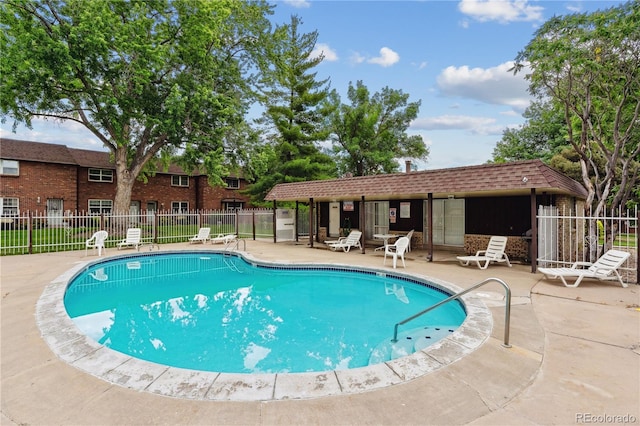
{"points": [[218, 312], [78, 350]]}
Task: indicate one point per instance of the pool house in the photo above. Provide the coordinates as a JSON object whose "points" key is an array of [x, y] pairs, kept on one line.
{"points": [[447, 209]]}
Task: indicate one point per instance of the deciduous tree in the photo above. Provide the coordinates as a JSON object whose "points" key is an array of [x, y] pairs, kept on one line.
{"points": [[145, 77], [589, 66], [370, 134]]}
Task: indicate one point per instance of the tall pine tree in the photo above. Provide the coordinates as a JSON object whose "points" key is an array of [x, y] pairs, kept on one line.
{"points": [[295, 113]]}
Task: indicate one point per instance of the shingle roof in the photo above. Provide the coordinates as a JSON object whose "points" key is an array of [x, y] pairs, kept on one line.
{"points": [[12, 149], [517, 178], [87, 158]]}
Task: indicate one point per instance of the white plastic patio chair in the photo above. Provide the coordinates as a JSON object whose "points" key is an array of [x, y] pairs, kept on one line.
{"points": [[409, 236], [495, 252], [605, 268], [345, 243], [97, 241], [396, 251]]}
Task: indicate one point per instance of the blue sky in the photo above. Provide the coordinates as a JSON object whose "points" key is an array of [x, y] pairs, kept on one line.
{"points": [[451, 55]]}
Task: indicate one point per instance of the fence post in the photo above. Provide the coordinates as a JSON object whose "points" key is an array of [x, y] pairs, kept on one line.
{"points": [[156, 226], [275, 229], [253, 223], [29, 232]]}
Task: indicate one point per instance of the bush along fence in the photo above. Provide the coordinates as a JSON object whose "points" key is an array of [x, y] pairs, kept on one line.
{"points": [[566, 236], [38, 232]]}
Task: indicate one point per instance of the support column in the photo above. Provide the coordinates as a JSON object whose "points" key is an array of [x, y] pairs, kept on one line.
{"points": [[533, 250], [430, 227], [310, 222], [274, 222], [362, 224], [296, 222]]}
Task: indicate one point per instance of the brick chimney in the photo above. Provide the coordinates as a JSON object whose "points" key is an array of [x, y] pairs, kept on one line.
{"points": [[407, 166]]}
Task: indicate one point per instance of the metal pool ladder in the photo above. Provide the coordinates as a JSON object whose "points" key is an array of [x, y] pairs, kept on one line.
{"points": [[507, 309], [235, 245]]}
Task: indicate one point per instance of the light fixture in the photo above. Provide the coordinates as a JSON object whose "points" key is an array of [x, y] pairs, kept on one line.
{"points": [[525, 179]]}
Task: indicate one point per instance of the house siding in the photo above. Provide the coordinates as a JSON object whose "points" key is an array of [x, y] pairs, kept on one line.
{"points": [[42, 180], [61, 178]]}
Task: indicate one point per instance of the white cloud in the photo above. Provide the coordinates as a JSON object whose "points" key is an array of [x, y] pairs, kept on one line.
{"points": [[475, 125], [503, 11], [324, 49], [497, 85], [298, 4], [69, 133], [387, 58], [356, 58]]}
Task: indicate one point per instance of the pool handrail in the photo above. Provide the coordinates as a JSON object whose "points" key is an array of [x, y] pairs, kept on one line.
{"points": [[507, 313]]}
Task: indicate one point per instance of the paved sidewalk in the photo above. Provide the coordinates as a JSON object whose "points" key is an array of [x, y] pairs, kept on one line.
{"points": [[575, 358]]}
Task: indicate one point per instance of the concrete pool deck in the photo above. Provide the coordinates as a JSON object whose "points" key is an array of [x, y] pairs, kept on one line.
{"points": [[575, 358]]}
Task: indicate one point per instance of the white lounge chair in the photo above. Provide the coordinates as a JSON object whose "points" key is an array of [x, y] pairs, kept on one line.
{"points": [[223, 238], [396, 251], [133, 239], [345, 243], [495, 252], [96, 241], [201, 237], [605, 268]]}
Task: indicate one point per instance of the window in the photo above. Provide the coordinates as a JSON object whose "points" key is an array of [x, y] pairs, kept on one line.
{"points": [[179, 206], [100, 175], [177, 180], [9, 167], [100, 206], [233, 183], [232, 205], [9, 207]]}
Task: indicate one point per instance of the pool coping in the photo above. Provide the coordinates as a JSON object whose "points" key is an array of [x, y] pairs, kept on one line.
{"points": [[78, 350]]}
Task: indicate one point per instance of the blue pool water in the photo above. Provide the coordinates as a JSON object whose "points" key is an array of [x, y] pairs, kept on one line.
{"points": [[215, 312]]}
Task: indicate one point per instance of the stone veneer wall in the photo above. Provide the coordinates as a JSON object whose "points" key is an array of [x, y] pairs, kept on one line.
{"points": [[567, 229], [322, 233], [517, 248]]}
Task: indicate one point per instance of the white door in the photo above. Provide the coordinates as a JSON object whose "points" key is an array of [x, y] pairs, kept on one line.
{"points": [[334, 219], [134, 211], [377, 218], [54, 211], [285, 225], [438, 222], [454, 222], [448, 222], [152, 207]]}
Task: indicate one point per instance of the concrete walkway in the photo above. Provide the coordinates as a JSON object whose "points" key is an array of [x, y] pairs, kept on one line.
{"points": [[575, 358]]}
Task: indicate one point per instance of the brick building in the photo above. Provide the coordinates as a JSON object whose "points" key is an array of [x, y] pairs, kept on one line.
{"points": [[55, 178]]}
